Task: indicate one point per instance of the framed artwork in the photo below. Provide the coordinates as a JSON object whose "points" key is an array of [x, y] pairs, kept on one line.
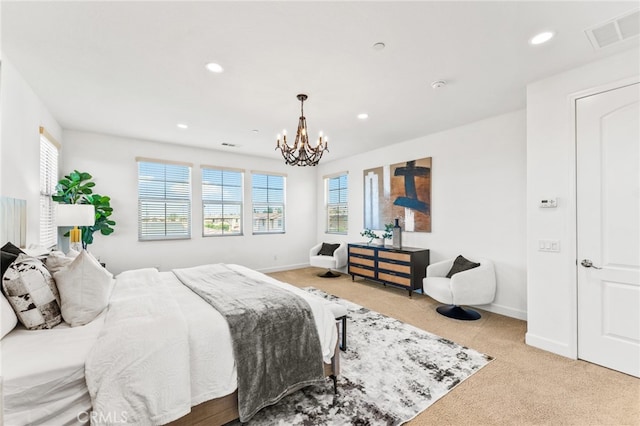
{"points": [[401, 190]]}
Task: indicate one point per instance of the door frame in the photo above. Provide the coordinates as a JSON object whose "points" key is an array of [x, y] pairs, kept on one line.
{"points": [[573, 191]]}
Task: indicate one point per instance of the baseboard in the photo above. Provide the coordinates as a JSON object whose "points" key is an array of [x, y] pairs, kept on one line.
{"points": [[549, 345], [283, 268], [506, 311]]}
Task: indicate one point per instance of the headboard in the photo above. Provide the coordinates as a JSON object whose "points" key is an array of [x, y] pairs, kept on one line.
{"points": [[13, 221]]}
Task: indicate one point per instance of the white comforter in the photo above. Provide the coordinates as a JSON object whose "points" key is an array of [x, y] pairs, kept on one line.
{"points": [[178, 334], [139, 370]]}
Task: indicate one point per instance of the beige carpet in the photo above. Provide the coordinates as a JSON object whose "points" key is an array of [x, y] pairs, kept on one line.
{"points": [[523, 386]]}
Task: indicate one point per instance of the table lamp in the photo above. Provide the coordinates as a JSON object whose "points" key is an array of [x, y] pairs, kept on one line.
{"points": [[75, 215]]}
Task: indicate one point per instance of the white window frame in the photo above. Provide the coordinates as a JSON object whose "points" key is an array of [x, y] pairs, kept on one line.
{"points": [[222, 202], [183, 200], [268, 204], [49, 162], [344, 205]]}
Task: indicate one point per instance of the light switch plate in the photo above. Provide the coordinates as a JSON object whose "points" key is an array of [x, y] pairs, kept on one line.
{"points": [[552, 246]]}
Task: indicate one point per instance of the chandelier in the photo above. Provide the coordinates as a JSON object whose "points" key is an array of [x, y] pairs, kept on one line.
{"points": [[301, 153]]}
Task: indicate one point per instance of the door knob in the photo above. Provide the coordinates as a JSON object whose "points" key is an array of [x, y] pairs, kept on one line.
{"points": [[587, 263]]}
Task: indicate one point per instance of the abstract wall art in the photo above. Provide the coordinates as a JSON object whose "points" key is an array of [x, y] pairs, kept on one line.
{"points": [[401, 190]]}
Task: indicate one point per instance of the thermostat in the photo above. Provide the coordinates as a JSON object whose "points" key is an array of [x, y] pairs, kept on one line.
{"points": [[549, 203]]}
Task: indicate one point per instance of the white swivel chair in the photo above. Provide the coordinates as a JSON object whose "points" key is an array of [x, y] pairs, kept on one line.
{"points": [[476, 286], [336, 261]]}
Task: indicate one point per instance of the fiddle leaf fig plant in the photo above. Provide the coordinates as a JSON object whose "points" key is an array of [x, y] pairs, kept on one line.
{"points": [[77, 188]]}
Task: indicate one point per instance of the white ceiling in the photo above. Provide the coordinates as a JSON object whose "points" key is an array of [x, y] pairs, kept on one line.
{"points": [[136, 69]]}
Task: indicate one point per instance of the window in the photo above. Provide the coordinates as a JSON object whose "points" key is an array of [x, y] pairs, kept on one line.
{"points": [[48, 182], [164, 200], [221, 201], [268, 203], [337, 207]]}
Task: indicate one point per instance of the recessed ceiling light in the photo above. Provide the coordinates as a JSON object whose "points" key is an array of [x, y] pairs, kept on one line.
{"points": [[255, 131], [542, 37], [182, 126], [213, 67], [363, 116], [438, 84], [379, 46]]}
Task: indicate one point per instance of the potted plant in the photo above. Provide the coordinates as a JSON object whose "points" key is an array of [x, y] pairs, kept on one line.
{"points": [[76, 188], [387, 234]]}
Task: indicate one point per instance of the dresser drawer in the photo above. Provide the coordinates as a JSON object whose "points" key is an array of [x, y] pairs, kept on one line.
{"points": [[362, 271], [362, 251], [362, 261], [405, 281], [402, 257], [396, 267]]}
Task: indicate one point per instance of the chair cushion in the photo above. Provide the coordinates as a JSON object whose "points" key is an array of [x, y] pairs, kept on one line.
{"points": [[438, 288], [461, 264], [328, 262], [328, 249]]}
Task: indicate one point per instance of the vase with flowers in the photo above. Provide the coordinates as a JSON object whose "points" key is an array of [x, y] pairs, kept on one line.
{"points": [[387, 234]]}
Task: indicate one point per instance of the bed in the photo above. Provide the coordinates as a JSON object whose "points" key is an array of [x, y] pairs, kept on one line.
{"points": [[52, 389], [184, 357]]}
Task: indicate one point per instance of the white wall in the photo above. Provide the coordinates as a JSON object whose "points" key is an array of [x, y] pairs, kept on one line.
{"points": [[478, 198], [22, 114], [111, 161], [552, 282]]}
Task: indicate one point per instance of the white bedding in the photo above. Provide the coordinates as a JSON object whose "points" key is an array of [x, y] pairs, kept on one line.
{"points": [[213, 370], [55, 369], [43, 380]]}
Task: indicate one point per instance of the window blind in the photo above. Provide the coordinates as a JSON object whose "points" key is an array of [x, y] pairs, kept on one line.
{"points": [[164, 201], [267, 194], [337, 204], [48, 182], [221, 201]]}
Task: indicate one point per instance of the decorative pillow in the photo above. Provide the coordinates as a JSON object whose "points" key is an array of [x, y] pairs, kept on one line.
{"points": [[8, 253], [328, 249], [85, 287], [8, 317], [32, 293], [57, 260], [461, 264]]}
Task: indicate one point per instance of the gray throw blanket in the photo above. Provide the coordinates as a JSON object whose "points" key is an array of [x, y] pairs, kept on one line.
{"points": [[275, 340]]}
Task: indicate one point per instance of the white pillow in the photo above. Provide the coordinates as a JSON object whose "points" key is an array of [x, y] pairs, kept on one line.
{"points": [[32, 293], [57, 260], [85, 288], [8, 318]]}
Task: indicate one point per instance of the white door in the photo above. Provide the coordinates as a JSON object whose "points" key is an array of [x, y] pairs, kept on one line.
{"points": [[608, 200]]}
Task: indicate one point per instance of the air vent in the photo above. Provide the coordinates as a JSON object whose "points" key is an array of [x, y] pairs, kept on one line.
{"points": [[614, 31]]}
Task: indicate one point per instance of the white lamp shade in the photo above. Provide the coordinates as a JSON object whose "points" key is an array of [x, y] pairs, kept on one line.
{"points": [[75, 215]]}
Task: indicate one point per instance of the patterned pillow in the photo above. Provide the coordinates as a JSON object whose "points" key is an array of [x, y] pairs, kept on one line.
{"points": [[32, 293]]}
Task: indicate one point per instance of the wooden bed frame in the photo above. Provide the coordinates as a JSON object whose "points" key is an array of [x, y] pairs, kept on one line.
{"points": [[225, 409]]}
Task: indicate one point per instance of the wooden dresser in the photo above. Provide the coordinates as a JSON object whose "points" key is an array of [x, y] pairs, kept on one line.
{"points": [[404, 268]]}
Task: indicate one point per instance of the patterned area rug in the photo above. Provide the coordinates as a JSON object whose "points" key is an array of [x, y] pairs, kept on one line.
{"points": [[390, 372]]}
